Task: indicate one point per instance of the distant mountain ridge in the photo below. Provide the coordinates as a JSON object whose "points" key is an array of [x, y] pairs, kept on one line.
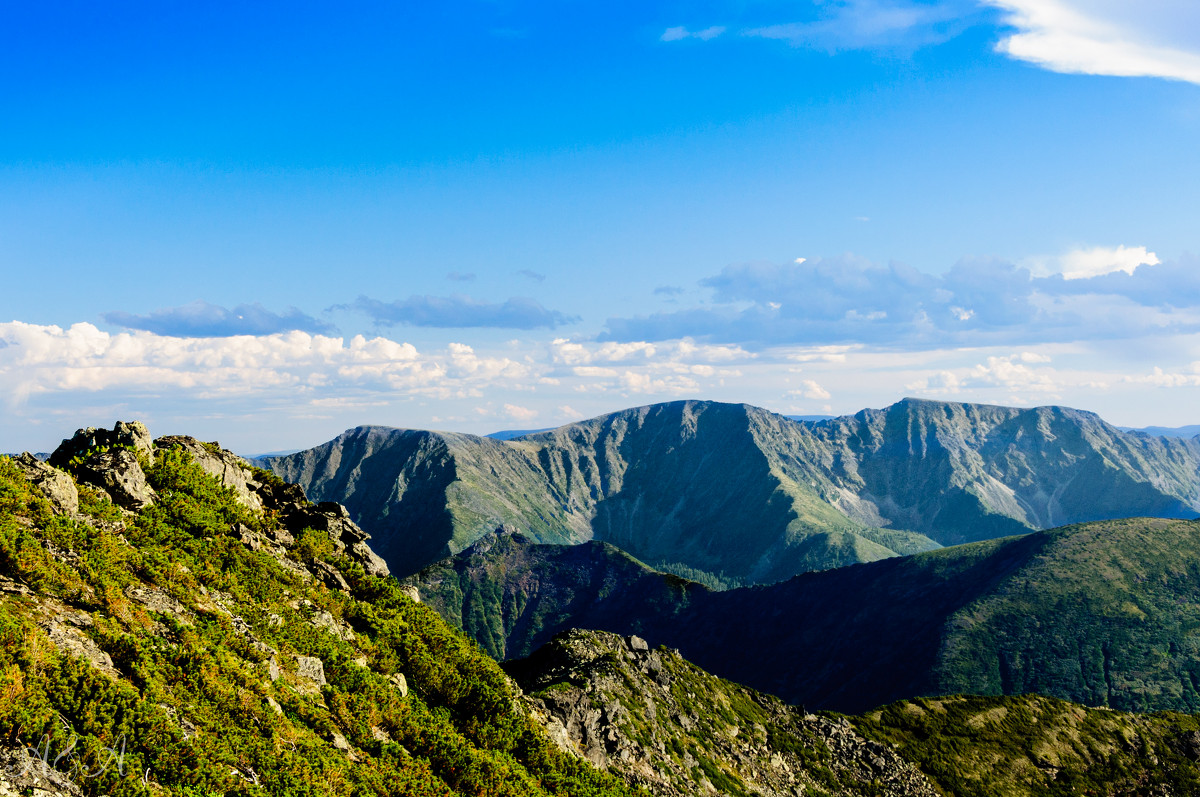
{"points": [[735, 494], [1167, 431]]}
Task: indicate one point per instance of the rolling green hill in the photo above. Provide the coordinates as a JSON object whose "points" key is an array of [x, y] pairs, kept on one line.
{"points": [[1104, 614]]}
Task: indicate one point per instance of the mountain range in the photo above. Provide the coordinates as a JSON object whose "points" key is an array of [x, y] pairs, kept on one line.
{"points": [[730, 494]]}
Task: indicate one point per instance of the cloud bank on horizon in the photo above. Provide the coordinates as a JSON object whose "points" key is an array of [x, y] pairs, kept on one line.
{"points": [[1100, 294]]}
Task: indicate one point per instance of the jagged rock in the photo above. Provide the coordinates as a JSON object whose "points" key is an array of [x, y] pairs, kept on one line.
{"points": [[370, 561], [233, 471], [53, 483], [331, 576], [398, 680], [13, 587], [133, 435], [274, 704], [310, 668], [333, 519], [412, 591], [118, 472]]}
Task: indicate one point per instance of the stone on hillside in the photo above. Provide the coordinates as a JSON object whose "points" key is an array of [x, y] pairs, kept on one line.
{"points": [[158, 600], [310, 668], [53, 483], [330, 576], [232, 471], [75, 643], [118, 473], [371, 562], [398, 680]]}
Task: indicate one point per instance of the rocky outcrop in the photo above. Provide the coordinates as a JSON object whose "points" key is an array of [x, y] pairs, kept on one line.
{"points": [[53, 483], [26, 771], [664, 724], [111, 461], [125, 434]]}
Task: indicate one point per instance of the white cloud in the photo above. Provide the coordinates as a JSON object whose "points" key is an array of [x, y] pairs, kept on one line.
{"points": [[1150, 38], [1095, 261], [519, 413], [858, 24], [1187, 377], [679, 33], [49, 359], [642, 382], [809, 390], [1014, 374]]}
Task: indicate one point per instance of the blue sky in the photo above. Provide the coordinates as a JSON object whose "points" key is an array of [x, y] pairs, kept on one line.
{"points": [[265, 225]]}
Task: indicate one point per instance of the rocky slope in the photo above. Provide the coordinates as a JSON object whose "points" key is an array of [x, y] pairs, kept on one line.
{"points": [[1103, 613], [668, 726], [733, 494], [175, 622], [665, 725]]}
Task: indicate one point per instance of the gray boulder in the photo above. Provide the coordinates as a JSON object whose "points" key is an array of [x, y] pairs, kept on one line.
{"points": [[310, 668], [118, 473], [53, 483]]}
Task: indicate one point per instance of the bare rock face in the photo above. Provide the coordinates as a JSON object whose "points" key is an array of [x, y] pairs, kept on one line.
{"points": [[53, 483], [118, 472]]}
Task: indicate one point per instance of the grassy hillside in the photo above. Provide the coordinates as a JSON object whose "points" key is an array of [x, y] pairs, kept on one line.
{"points": [[1032, 745], [199, 647]]}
